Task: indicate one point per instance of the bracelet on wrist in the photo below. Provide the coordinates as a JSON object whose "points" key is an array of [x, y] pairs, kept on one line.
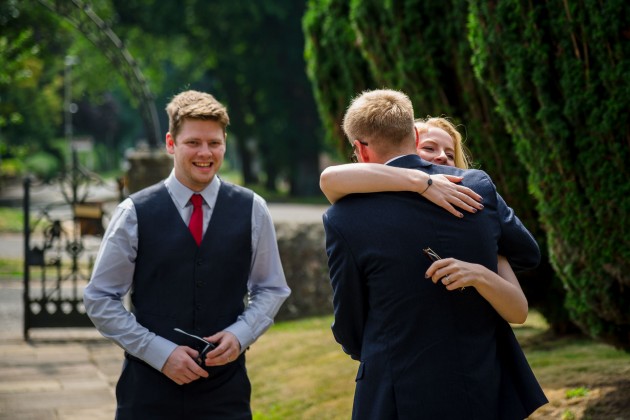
{"points": [[429, 183]]}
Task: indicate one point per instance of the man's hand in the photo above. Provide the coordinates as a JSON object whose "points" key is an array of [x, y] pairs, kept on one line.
{"points": [[181, 367], [445, 192], [228, 349]]}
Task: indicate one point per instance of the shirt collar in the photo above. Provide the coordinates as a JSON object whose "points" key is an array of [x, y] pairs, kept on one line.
{"points": [[181, 194]]}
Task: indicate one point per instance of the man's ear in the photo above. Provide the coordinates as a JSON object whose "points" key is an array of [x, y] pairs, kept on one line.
{"points": [[170, 144], [417, 136], [363, 152]]}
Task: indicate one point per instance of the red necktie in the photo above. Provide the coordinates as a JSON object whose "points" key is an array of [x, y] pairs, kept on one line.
{"points": [[196, 220]]}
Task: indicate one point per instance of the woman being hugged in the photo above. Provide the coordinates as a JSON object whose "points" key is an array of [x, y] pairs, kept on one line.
{"points": [[438, 141]]}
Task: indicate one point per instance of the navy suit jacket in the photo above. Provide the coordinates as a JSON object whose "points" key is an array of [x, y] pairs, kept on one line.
{"points": [[425, 352]]}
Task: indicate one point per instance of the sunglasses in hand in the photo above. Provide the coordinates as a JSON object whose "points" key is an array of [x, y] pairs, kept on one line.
{"points": [[431, 254], [433, 257]]}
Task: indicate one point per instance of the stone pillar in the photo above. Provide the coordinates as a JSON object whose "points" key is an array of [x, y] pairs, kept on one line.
{"points": [[146, 167]]}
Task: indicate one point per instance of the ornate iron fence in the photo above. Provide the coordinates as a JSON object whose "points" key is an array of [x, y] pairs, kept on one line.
{"points": [[61, 241]]}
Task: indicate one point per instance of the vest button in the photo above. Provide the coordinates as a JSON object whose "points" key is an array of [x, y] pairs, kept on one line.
{"points": [[199, 284], [198, 307], [199, 261]]}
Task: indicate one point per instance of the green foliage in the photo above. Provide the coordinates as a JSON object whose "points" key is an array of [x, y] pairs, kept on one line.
{"points": [[11, 269], [335, 65], [278, 107], [560, 74], [11, 167], [30, 108], [34, 44], [43, 165], [11, 220], [251, 58], [576, 392]]}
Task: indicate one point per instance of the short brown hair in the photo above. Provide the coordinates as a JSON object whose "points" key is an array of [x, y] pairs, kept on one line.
{"points": [[383, 117], [195, 105]]}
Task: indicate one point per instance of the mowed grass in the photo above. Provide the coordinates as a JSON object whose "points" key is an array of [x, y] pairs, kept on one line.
{"points": [[11, 220], [298, 371], [11, 269]]}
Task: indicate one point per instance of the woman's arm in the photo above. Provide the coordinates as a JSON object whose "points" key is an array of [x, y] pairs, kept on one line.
{"points": [[341, 180], [502, 290]]}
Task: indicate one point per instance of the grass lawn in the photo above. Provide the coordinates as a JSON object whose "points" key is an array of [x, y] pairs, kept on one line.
{"points": [[11, 220], [299, 372], [11, 269]]}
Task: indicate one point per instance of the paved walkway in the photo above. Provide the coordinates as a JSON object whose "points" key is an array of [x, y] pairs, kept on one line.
{"points": [[67, 374], [59, 374]]}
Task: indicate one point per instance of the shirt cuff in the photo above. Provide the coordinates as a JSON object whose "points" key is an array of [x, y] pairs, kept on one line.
{"points": [[243, 334], [158, 351]]}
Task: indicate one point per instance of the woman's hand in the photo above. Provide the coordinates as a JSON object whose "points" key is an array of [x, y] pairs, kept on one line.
{"points": [[446, 193], [501, 290], [456, 274]]}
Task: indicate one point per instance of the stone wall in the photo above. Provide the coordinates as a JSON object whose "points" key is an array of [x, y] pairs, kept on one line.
{"points": [[303, 254]]}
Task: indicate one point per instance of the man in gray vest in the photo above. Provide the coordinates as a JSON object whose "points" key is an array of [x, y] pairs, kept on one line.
{"points": [[190, 249]]}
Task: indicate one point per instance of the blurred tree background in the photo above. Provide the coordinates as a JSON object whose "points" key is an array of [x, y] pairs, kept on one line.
{"points": [[250, 56], [540, 91]]}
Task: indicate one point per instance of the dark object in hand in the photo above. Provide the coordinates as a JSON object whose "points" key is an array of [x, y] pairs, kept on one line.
{"points": [[199, 344], [431, 255]]}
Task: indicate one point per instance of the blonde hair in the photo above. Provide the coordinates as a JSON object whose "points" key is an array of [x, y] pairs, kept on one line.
{"points": [[195, 105], [462, 156], [382, 117]]}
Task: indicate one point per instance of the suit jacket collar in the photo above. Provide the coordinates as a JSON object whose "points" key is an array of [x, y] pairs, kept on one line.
{"points": [[411, 161]]}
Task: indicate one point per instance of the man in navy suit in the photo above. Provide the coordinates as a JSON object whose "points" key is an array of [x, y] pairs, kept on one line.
{"points": [[424, 351]]}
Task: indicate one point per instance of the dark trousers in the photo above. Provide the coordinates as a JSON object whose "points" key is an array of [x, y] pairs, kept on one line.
{"points": [[145, 393]]}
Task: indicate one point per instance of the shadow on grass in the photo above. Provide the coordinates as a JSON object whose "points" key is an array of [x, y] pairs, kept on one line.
{"points": [[570, 362], [614, 404], [531, 339]]}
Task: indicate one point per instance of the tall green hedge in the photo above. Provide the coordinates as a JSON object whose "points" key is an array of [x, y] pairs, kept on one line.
{"points": [[560, 73], [334, 65], [421, 48]]}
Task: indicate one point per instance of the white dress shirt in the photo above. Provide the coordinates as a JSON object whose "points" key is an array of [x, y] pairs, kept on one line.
{"points": [[113, 272]]}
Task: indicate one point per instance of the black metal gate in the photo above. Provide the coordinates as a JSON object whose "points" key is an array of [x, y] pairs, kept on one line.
{"points": [[61, 241]]}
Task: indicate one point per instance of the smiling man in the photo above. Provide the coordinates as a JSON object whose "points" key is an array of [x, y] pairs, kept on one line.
{"points": [[190, 249]]}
